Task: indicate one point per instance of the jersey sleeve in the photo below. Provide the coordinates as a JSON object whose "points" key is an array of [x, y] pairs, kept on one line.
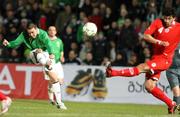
{"points": [[48, 43], [153, 27], [19, 40]]}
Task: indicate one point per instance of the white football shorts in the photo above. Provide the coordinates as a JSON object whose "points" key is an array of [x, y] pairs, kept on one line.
{"points": [[41, 58], [58, 69]]}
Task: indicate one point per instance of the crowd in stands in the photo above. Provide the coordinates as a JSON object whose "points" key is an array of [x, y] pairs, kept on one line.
{"points": [[120, 23]]}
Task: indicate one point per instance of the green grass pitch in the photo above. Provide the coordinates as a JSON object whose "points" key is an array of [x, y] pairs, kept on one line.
{"points": [[41, 108]]}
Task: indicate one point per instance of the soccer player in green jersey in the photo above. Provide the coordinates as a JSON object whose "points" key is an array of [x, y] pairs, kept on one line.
{"points": [[59, 57], [42, 51]]}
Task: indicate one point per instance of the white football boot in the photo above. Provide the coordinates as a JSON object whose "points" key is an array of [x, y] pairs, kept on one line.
{"points": [[61, 106]]}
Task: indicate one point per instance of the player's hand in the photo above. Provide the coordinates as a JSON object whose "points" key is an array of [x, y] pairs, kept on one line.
{"points": [[39, 50], [48, 64], [165, 43], [5, 42], [162, 43], [62, 59], [51, 56]]}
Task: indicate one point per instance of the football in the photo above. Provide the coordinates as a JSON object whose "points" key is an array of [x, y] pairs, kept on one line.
{"points": [[90, 29]]}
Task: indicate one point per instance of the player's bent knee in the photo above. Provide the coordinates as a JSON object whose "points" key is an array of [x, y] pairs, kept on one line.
{"points": [[41, 58], [61, 80], [149, 86], [148, 89], [52, 76]]}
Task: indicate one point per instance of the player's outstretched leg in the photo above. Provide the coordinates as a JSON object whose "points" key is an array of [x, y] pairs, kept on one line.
{"points": [[108, 69], [127, 72]]}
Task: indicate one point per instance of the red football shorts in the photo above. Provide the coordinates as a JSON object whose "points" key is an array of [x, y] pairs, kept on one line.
{"points": [[158, 64]]}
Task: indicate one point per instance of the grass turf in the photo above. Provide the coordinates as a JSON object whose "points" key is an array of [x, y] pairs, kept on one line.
{"points": [[41, 108]]}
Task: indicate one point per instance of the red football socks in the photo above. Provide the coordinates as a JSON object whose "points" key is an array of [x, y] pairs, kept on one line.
{"points": [[2, 96], [158, 93], [128, 72]]}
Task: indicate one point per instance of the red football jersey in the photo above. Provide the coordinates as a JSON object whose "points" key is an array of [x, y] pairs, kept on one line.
{"points": [[170, 34]]}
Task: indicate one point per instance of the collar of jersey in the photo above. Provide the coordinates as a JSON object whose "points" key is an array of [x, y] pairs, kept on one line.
{"points": [[37, 30]]}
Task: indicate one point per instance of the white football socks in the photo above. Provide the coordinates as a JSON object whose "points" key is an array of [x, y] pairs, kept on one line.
{"points": [[57, 92], [50, 94]]}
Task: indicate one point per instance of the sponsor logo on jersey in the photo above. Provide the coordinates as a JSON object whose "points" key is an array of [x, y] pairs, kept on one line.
{"points": [[153, 64]]}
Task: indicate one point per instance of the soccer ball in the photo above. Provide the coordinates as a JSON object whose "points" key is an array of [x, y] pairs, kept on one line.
{"points": [[90, 29]]}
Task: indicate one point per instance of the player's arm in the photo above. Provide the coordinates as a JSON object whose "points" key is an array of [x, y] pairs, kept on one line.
{"points": [[62, 51], [148, 35], [62, 57], [48, 45], [15, 43], [151, 39]]}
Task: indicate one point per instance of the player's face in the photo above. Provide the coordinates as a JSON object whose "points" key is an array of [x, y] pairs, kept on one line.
{"points": [[52, 31], [168, 20], [32, 32]]}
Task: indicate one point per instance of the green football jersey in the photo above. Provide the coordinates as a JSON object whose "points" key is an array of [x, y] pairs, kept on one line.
{"points": [[41, 41], [58, 47]]}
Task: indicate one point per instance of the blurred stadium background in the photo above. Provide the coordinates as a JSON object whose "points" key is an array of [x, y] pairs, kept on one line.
{"points": [[121, 24]]}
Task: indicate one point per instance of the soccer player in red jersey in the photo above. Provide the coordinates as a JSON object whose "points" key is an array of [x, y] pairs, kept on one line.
{"points": [[164, 34]]}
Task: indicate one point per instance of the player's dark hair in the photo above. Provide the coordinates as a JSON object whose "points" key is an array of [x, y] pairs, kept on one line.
{"points": [[31, 25], [169, 12]]}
